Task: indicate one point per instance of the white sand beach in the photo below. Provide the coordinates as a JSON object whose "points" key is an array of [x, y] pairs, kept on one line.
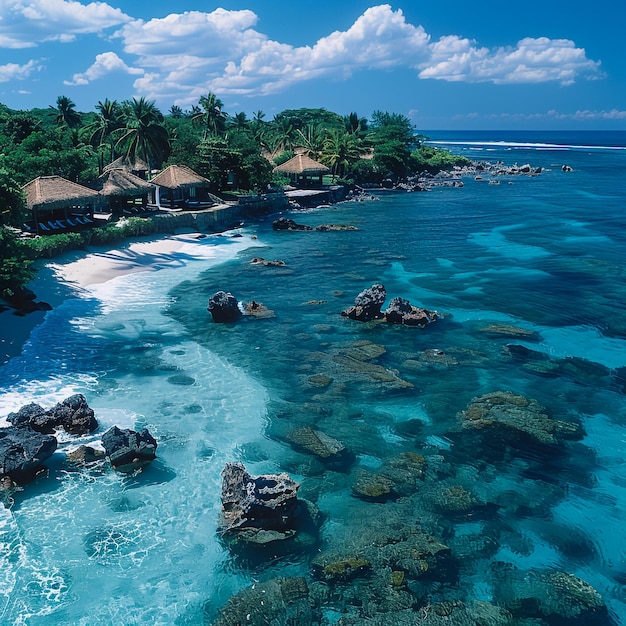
{"points": [[105, 264]]}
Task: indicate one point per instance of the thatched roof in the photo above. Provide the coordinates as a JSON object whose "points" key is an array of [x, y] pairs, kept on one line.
{"points": [[54, 192], [302, 164], [120, 182], [135, 165], [180, 177]]}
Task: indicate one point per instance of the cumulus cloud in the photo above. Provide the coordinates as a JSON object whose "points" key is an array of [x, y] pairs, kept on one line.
{"points": [[195, 52], [27, 23], [184, 55], [105, 64], [532, 60], [13, 71]]}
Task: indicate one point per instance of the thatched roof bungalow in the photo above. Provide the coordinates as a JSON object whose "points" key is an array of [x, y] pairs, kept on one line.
{"points": [[178, 186], [135, 166], [121, 191], [53, 199], [303, 171]]}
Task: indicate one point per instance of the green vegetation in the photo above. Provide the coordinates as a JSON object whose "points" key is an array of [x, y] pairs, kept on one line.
{"points": [[236, 153]]}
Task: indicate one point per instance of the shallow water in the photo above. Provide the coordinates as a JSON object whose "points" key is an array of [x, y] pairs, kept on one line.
{"points": [[545, 254]]}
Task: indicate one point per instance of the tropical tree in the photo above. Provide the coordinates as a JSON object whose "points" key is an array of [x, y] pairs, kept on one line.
{"points": [[65, 113], [210, 115], [312, 138], [355, 124], [12, 204], [15, 268], [143, 134], [100, 132], [239, 121], [341, 149]]}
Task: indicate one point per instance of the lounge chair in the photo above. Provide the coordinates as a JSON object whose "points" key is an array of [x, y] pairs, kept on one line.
{"points": [[79, 221], [87, 219], [70, 223], [42, 226], [53, 225]]}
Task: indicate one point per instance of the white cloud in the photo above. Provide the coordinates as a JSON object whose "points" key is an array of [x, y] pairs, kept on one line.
{"points": [[191, 53], [530, 61], [26, 23], [105, 64], [13, 71]]}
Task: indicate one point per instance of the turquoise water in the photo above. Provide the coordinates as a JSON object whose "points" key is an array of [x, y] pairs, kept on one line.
{"points": [[546, 254]]}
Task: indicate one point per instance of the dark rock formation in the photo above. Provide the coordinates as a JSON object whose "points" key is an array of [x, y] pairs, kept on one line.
{"points": [[401, 311], [22, 452], [258, 509], [72, 414], [367, 305], [284, 223], [129, 450], [24, 302], [224, 307]]}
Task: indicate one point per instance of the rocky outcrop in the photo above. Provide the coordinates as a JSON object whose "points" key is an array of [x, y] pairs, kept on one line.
{"points": [[224, 307], [401, 311], [319, 444], [261, 261], [129, 450], [284, 223], [368, 304], [258, 508], [72, 414], [85, 455], [258, 310], [22, 453]]}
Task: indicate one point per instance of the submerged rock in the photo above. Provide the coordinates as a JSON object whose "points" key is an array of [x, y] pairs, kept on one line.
{"points": [[258, 310], [85, 455], [547, 594], [261, 261], [129, 450], [224, 307], [317, 443], [276, 601], [503, 412]]}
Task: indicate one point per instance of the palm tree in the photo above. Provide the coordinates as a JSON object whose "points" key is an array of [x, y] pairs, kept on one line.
{"points": [[239, 121], [143, 134], [65, 113], [312, 138], [355, 124], [109, 120], [210, 115], [341, 149]]}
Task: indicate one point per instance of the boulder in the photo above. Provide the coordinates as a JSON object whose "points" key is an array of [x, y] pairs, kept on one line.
{"points": [[317, 443], [129, 450], [401, 311], [72, 414], [261, 261], [368, 304], [258, 504], [223, 307], [22, 452]]}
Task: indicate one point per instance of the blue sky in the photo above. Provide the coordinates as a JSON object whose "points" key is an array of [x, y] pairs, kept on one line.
{"points": [[447, 65]]}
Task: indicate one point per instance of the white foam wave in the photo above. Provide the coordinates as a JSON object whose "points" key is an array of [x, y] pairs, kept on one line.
{"points": [[524, 145]]}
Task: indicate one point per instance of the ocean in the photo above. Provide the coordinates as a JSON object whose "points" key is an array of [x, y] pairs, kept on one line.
{"points": [[529, 278]]}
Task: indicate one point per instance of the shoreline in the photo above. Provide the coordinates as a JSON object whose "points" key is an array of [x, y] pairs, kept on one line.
{"points": [[58, 278]]}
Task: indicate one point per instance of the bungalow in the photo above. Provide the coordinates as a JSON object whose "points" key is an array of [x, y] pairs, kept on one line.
{"points": [[56, 203], [121, 192], [179, 187], [303, 171]]}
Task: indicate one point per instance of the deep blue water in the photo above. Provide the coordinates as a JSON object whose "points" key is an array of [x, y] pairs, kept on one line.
{"points": [[545, 254]]}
